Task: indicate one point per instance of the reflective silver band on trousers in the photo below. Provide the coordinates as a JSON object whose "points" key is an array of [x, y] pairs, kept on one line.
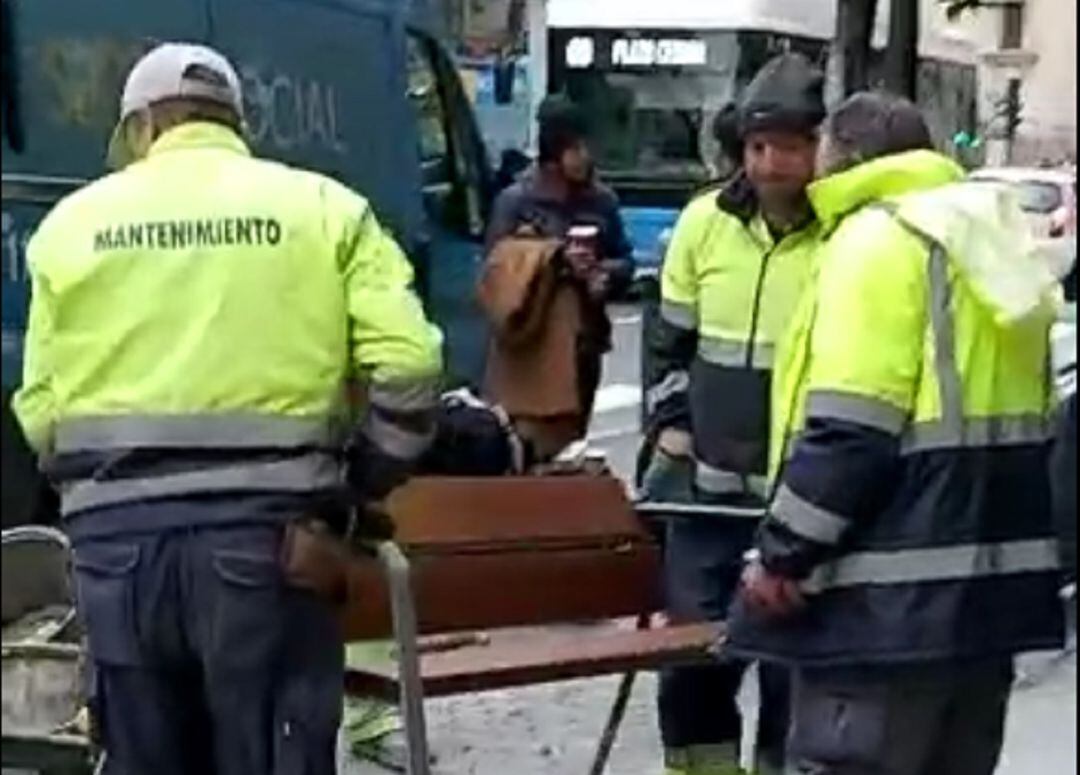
{"points": [[712, 756], [198, 431], [716, 481], [310, 472], [720, 351], [950, 563]]}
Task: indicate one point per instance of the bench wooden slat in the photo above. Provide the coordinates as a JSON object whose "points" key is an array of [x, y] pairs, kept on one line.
{"points": [[511, 589], [431, 511], [541, 659]]}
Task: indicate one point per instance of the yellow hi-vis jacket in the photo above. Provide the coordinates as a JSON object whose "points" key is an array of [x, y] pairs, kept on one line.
{"points": [[912, 407], [728, 292], [203, 301]]}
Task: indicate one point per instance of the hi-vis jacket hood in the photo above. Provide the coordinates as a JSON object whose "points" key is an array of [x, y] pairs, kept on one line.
{"points": [[980, 225]]}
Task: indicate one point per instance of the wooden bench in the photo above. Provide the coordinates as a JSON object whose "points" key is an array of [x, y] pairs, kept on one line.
{"points": [[485, 555]]}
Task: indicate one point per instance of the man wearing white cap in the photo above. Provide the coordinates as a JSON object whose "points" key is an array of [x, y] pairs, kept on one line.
{"points": [[195, 320]]}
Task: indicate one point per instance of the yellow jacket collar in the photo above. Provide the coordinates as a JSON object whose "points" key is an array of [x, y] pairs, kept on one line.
{"points": [[199, 134], [889, 176]]}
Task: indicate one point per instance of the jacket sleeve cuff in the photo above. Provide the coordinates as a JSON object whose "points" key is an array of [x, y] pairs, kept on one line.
{"points": [[786, 554], [371, 473]]}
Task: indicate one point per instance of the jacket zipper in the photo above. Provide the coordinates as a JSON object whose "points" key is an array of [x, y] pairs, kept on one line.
{"points": [[756, 313]]}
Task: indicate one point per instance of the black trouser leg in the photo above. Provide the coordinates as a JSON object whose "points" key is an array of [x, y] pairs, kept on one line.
{"points": [[697, 704]]}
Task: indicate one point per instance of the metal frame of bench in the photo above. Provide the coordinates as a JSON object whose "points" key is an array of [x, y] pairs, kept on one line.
{"points": [[411, 690]]}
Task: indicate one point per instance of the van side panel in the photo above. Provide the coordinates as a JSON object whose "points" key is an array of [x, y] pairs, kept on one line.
{"points": [[71, 59], [324, 89]]}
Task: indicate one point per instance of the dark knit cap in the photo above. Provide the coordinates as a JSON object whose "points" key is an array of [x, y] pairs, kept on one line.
{"points": [[787, 94], [562, 125]]}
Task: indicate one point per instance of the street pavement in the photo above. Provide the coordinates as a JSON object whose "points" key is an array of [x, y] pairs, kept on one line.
{"points": [[552, 730]]}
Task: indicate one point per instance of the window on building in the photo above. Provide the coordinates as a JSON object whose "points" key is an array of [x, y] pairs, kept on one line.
{"points": [[1012, 25]]}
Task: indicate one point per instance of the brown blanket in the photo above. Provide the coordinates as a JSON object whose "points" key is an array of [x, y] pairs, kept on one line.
{"points": [[536, 320]]}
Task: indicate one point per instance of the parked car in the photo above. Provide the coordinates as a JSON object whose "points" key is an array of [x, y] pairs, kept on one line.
{"points": [[1048, 196]]}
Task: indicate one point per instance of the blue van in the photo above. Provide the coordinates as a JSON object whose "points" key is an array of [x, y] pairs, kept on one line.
{"points": [[358, 89]]}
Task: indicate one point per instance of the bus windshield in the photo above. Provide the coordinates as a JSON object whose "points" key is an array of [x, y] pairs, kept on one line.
{"points": [[651, 96], [650, 123]]}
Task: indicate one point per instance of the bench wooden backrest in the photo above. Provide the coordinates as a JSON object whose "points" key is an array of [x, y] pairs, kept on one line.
{"points": [[506, 552]]}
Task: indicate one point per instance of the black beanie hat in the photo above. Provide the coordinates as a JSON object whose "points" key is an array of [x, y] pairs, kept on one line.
{"points": [[562, 125], [788, 93]]}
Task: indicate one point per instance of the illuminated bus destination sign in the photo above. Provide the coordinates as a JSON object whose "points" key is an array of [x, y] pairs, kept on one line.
{"points": [[580, 53], [647, 52]]}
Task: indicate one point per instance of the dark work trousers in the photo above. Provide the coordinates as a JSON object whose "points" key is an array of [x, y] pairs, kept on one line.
{"points": [[204, 660], [703, 564], [589, 368], [946, 719], [1063, 480]]}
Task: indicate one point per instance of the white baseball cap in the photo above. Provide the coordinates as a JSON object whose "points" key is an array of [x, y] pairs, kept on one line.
{"points": [[171, 71]]}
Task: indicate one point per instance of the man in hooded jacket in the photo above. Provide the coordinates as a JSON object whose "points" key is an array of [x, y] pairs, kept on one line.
{"points": [[908, 551]]}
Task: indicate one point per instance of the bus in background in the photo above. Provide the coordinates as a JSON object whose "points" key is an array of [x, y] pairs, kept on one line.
{"points": [[652, 77]]}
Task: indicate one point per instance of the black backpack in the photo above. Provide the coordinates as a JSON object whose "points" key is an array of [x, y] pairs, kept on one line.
{"points": [[474, 438]]}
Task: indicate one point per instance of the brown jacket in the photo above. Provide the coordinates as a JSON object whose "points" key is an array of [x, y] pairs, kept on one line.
{"points": [[536, 321]]}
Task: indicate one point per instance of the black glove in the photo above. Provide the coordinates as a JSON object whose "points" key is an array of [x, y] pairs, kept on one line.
{"points": [[363, 522], [372, 474], [371, 524]]}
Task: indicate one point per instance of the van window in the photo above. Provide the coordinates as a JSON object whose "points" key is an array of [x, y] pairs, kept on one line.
{"points": [[451, 182], [431, 119]]}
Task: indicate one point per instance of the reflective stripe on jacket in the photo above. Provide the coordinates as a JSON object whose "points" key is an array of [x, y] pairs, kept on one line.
{"points": [[728, 291], [914, 398], [211, 308]]}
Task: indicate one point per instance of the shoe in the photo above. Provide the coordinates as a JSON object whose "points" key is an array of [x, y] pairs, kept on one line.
{"points": [[720, 759], [389, 751], [374, 733]]}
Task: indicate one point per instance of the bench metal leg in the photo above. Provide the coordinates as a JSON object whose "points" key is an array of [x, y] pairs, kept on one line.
{"points": [[618, 712], [410, 679]]}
